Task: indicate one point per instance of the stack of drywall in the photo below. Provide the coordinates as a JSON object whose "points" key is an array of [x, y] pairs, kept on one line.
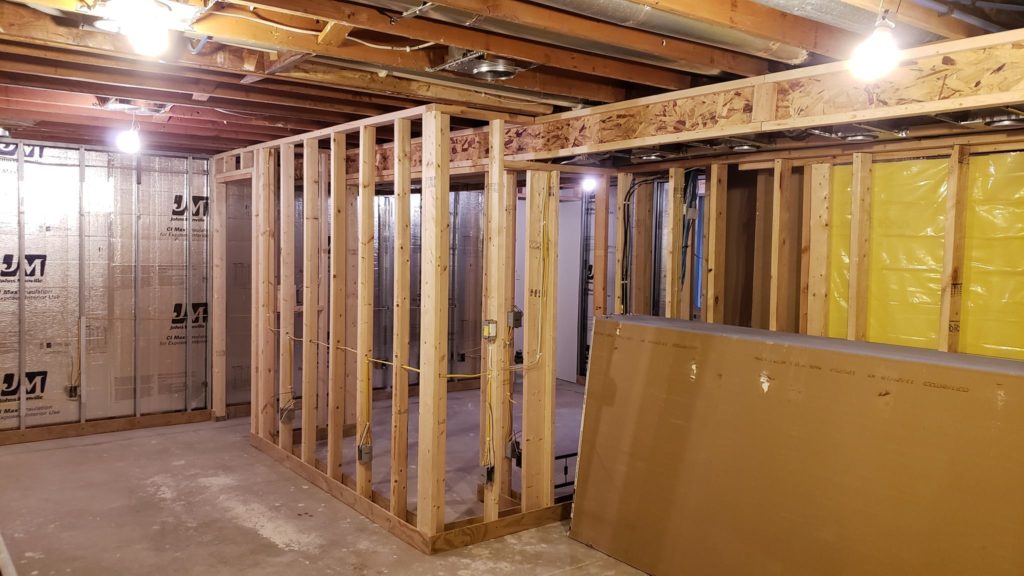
{"points": [[710, 449]]}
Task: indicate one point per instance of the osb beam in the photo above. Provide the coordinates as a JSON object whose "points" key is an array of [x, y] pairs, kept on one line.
{"points": [[964, 74], [635, 44], [470, 39], [749, 17]]}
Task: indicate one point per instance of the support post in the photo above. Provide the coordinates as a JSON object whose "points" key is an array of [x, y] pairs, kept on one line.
{"points": [[542, 197], [310, 295], [255, 291], [286, 299], [714, 250], [336, 356], [676, 302], [364, 311], [953, 262], [495, 423], [860, 248], [218, 324], [400, 347], [819, 249], [430, 473]]}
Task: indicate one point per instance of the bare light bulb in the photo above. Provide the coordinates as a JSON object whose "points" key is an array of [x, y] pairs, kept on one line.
{"points": [[142, 22], [877, 55], [129, 141], [589, 184]]}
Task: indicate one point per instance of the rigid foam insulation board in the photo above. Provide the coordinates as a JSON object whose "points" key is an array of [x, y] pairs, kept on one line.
{"points": [[9, 380], [711, 449], [50, 337], [108, 375], [239, 290]]}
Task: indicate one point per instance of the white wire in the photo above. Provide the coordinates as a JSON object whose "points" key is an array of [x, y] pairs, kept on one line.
{"points": [[398, 48]]}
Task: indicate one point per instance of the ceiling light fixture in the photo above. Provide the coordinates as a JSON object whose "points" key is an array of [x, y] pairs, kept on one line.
{"points": [[142, 22], [589, 184], [128, 141], [878, 54], [745, 148]]}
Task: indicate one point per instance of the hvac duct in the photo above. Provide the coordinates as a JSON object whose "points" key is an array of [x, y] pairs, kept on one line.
{"points": [[847, 17], [636, 15], [497, 26]]}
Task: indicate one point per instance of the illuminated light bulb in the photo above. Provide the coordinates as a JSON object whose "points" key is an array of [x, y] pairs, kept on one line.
{"points": [[129, 141], [589, 184], [877, 55], [142, 22]]}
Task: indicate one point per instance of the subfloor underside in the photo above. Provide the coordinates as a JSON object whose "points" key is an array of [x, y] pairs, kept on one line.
{"points": [[197, 499]]}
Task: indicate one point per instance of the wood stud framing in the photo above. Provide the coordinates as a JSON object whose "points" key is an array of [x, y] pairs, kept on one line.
{"points": [[718, 187], [860, 248], [819, 249], [953, 262], [286, 298], [601, 207], [400, 348], [336, 358], [430, 475], [542, 196], [364, 314], [677, 303], [782, 312], [310, 294], [625, 181]]}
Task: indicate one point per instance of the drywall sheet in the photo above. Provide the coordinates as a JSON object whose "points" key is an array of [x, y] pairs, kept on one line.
{"points": [[992, 320], [712, 449], [905, 260]]}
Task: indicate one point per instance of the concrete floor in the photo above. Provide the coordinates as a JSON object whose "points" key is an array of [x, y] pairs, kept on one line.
{"points": [[197, 499]]}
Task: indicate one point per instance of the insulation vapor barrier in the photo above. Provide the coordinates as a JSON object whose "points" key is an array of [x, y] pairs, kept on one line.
{"points": [[906, 252], [102, 285]]}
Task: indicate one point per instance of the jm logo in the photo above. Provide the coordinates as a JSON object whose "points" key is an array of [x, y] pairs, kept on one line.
{"points": [[35, 383], [200, 206], [35, 265], [200, 313]]}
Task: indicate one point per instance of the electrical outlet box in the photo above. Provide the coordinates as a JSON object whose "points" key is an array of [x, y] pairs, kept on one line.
{"points": [[365, 453], [490, 332], [515, 318]]}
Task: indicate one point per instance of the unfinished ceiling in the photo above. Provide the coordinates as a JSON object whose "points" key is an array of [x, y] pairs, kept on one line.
{"points": [[240, 72]]}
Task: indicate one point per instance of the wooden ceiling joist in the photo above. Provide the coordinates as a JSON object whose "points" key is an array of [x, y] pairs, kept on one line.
{"points": [[470, 39]]}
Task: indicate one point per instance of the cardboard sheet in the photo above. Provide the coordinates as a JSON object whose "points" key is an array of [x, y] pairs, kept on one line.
{"points": [[710, 449]]}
